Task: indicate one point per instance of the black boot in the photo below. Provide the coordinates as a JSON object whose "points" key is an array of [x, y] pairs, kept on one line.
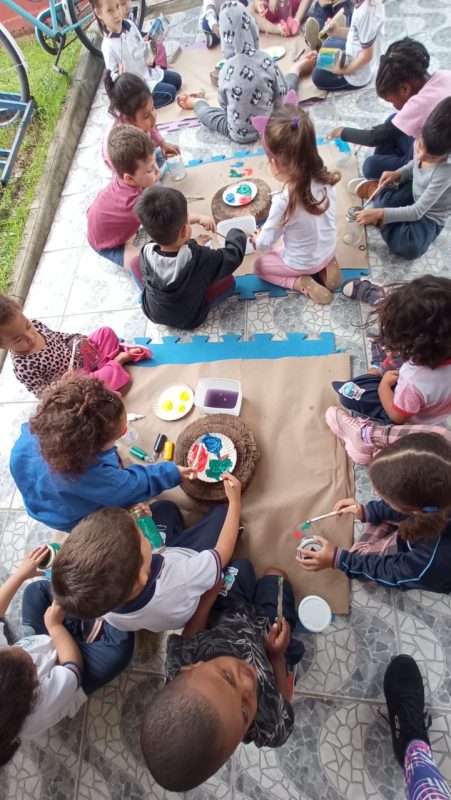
{"points": [[404, 694]]}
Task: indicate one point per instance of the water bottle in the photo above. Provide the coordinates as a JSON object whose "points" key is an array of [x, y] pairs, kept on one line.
{"points": [[148, 528]]}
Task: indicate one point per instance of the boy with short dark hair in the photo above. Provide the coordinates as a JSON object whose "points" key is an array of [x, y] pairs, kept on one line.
{"points": [[228, 680], [412, 215], [112, 221], [182, 279], [107, 567]]}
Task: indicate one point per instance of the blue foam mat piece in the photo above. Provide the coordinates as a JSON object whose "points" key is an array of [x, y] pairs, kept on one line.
{"points": [[247, 286], [262, 345], [342, 147]]}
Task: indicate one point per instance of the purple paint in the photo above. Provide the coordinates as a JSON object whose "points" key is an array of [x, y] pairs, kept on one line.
{"points": [[220, 398]]}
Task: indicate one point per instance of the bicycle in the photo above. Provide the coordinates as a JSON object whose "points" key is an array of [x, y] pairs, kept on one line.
{"points": [[53, 29]]}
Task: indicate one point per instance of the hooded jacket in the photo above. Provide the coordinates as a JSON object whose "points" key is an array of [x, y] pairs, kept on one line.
{"points": [[249, 82], [176, 284]]}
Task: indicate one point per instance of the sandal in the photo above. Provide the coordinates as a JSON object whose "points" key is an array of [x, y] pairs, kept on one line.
{"points": [[313, 290], [293, 26], [364, 291], [311, 34], [182, 98], [284, 28]]}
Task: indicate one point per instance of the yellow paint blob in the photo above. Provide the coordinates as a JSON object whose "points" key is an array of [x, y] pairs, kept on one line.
{"points": [[167, 405], [184, 395], [182, 409]]}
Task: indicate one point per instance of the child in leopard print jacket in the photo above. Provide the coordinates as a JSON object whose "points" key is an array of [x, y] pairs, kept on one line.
{"points": [[41, 356]]}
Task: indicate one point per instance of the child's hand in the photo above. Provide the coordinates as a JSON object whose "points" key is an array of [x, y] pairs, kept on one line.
{"points": [[215, 30], [169, 149], [186, 472], [388, 177], [122, 69], [232, 487], [335, 134], [123, 357], [142, 507], [390, 377], [278, 638], [53, 616], [29, 566], [203, 239], [371, 216], [314, 562], [253, 239], [206, 222], [261, 8], [350, 506]]}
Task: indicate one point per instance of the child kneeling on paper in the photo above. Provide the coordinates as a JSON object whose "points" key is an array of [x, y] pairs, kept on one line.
{"points": [[48, 673], [182, 279], [107, 567]]}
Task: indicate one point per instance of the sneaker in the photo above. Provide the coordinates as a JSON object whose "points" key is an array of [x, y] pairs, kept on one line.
{"points": [[348, 428], [365, 189], [404, 695], [210, 40], [311, 32], [363, 290]]}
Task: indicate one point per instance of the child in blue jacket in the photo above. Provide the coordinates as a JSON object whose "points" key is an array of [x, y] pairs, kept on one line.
{"points": [[406, 542], [65, 462]]}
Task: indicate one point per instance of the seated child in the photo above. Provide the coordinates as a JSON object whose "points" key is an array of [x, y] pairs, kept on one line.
{"points": [[228, 680], [415, 325], [280, 17], [322, 11], [303, 213], [406, 541], [41, 356], [362, 43], [182, 279], [209, 20], [112, 222], [145, 590], [47, 674], [249, 82], [124, 50], [412, 215], [65, 462], [131, 103]]}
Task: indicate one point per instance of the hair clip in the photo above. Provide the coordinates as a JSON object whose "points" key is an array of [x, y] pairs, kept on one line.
{"points": [[295, 122], [429, 509]]}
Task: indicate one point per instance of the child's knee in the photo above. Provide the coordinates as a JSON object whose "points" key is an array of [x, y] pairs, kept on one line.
{"points": [[372, 168]]}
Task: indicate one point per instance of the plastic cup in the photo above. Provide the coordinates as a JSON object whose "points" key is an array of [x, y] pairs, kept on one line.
{"points": [[47, 561], [314, 613], [176, 168]]}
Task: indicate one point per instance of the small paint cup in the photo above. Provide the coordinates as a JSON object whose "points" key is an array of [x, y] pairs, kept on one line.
{"points": [[314, 613], [176, 168], [308, 543], [49, 558]]}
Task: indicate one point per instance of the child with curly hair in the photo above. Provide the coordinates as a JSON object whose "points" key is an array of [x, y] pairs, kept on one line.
{"points": [[415, 325], [48, 673], [65, 462], [406, 542], [41, 356]]}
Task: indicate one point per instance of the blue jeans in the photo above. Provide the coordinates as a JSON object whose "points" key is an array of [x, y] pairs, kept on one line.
{"points": [[406, 239], [323, 13], [201, 536], [164, 92], [389, 157], [206, 29], [103, 659], [328, 81]]}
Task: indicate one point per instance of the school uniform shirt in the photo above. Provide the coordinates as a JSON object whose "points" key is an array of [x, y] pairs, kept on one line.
{"points": [[414, 113], [241, 634], [424, 394], [431, 189], [308, 239], [62, 501], [176, 583], [129, 49], [111, 218], [59, 692], [422, 564], [176, 284], [366, 30]]}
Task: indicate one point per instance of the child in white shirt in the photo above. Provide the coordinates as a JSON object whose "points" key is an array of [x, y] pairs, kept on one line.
{"points": [[124, 50], [303, 213], [48, 674]]}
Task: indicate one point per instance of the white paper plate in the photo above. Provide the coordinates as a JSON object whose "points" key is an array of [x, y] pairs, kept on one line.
{"points": [[232, 197], [174, 402], [216, 447], [276, 53]]}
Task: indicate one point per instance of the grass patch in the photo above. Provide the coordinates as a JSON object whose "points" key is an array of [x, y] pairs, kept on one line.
{"points": [[49, 89]]}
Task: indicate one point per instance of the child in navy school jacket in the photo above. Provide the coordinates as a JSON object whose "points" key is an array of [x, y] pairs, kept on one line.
{"points": [[406, 542], [65, 462]]}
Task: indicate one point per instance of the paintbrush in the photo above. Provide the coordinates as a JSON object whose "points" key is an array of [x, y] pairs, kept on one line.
{"points": [[308, 522], [280, 602], [372, 196], [195, 463], [298, 55]]}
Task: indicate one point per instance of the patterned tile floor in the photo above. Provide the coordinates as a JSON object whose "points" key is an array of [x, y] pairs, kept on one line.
{"points": [[340, 747]]}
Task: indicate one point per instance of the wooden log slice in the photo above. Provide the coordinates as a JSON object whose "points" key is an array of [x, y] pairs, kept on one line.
{"points": [[247, 452], [259, 206]]}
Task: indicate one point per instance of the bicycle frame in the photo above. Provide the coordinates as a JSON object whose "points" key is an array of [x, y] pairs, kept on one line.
{"points": [[55, 29]]}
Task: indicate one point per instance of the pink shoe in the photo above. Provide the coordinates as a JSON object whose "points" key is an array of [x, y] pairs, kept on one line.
{"points": [[293, 26], [348, 428]]}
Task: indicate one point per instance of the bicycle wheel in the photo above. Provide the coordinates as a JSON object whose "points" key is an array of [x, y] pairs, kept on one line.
{"points": [[88, 32], [138, 9], [13, 78]]}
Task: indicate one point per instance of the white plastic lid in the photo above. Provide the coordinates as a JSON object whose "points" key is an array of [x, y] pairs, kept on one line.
{"points": [[314, 613]]}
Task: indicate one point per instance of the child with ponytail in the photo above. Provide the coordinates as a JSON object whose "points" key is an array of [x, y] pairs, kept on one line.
{"points": [[406, 542], [303, 213]]}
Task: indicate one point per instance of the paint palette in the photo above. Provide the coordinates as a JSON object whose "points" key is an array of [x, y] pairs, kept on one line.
{"points": [[240, 194], [174, 402], [276, 53], [217, 455]]}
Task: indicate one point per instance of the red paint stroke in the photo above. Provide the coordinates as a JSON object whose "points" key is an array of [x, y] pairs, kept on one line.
{"points": [[297, 535], [244, 201], [203, 458]]}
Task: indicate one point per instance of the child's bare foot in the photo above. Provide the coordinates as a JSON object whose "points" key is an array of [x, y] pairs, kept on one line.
{"points": [[306, 65], [187, 101]]}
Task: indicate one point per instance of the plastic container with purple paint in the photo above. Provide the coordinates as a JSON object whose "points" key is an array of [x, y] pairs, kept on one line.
{"points": [[218, 396]]}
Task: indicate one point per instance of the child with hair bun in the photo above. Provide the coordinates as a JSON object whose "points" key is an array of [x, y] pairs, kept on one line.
{"points": [[65, 462], [406, 542], [303, 213]]}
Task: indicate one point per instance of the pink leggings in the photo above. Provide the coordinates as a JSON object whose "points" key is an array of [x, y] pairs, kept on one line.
{"points": [[272, 268], [109, 371]]}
